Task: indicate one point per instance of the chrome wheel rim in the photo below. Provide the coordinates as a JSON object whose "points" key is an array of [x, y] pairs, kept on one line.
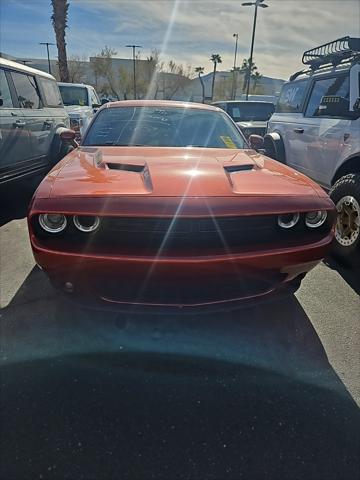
{"points": [[347, 228]]}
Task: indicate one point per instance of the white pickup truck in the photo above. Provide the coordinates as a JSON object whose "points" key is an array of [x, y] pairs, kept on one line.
{"points": [[81, 102]]}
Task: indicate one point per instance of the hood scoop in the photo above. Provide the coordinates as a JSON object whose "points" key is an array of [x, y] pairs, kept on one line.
{"points": [[239, 168], [127, 167], [141, 170]]}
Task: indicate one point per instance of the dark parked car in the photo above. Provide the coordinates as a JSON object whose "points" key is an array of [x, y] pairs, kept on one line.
{"points": [[250, 116], [32, 117]]}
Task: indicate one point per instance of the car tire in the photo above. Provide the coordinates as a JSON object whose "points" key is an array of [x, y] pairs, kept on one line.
{"points": [[346, 196]]}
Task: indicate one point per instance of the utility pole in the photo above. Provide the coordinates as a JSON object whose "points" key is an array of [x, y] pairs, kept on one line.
{"points": [[256, 4], [235, 35], [134, 65], [48, 55]]}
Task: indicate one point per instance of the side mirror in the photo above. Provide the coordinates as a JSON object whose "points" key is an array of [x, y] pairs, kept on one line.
{"points": [[1, 102], [256, 142], [104, 100], [69, 136], [356, 106]]}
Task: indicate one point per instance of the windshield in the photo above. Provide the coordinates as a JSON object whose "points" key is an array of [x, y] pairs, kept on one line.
{"points": [[72, 95], [163, 127], [250, 111]]}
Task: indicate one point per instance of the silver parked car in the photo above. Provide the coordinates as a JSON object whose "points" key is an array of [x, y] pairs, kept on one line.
{"points": [[81, 102], [32, 117]]}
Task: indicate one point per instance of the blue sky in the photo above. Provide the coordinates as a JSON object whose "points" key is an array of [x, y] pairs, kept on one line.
{"points": [[188, 31]]}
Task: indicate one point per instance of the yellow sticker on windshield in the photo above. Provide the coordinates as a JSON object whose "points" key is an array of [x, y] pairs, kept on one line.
{"points": [[228, 142], [81, 103]]}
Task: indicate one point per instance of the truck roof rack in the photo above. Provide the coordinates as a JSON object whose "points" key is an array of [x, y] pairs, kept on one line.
{"points": [[331, 54]]}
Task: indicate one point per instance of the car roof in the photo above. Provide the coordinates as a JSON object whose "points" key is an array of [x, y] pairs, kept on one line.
{"points": [[160, 103], [4, 62], [243, 101], [67, 84]]}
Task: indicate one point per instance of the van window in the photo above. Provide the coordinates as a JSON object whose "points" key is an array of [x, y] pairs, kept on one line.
{"points": [[338, 86], [51, 92], [291, 97], [26, 90], [5, 94]]}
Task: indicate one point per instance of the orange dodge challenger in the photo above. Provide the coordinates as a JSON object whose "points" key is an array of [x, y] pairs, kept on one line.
{"points": [[165, 204]]}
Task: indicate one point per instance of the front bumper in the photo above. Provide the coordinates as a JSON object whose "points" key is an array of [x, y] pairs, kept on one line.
{"points": [[178, 281]]}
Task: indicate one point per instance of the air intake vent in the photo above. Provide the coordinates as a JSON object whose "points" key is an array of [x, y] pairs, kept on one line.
{"points": [[126, 167], [239, 168]]}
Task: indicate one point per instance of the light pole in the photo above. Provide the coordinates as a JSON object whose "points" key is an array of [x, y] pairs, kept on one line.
{"points": [[134, 65], [47, 49], [236, 36], [257, 3]]}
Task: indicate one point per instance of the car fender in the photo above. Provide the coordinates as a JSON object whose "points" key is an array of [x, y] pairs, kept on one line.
{"points": [[58, 148], [349, 165], [274, 146]]}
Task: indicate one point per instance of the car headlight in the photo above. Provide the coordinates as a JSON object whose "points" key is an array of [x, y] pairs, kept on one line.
{"points": [[86, 223], [52, 222], [315, 219], [288, 220]]}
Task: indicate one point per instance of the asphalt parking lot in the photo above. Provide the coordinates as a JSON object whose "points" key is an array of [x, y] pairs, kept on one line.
{"points": [[267, 391]]}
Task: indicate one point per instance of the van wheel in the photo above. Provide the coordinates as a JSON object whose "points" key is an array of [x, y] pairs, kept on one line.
{"points": [[346, 196]]}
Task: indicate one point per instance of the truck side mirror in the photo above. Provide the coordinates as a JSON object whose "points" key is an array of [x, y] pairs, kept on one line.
{"points": [[356, 106]]}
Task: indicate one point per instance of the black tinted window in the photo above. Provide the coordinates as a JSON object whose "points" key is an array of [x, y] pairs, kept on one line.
{"points": [[250, 111], [336, 86], [26, 90], [5, 96], [291, 97], [163, 127], [72, 95]]}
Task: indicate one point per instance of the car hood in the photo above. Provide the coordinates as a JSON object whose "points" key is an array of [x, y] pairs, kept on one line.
{"points": [[172, 172], [76, 111]]}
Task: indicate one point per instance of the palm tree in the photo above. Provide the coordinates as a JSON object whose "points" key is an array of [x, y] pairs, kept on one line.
{"points": [[248, 72], [215, 58], [59, 21], [256, 77], [200, 71]]}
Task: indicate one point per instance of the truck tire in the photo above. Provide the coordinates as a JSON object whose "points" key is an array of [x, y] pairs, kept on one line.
{"points": [[346, 196], [274, 147]]}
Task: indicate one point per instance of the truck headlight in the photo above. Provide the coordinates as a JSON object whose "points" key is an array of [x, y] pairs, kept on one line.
{"points": [[76, 124]]}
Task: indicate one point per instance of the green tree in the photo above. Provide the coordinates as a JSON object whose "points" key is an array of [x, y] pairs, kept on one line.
{"points": [[215, 58], [200, 71], [59, 22]]}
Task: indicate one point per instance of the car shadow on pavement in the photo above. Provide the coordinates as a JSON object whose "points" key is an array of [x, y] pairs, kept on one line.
{"points": [[241, 394], [14, 201], [350, 275]]}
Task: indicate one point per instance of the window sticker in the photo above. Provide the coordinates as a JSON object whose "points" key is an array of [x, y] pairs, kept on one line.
{"points": [[228, 142]]}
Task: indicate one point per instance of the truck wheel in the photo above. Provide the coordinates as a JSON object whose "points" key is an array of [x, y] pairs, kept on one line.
{"points": [[346, 196]]}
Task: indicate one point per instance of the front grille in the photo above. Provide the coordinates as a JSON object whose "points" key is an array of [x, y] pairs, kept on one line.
{"points": [[195, 236]]}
